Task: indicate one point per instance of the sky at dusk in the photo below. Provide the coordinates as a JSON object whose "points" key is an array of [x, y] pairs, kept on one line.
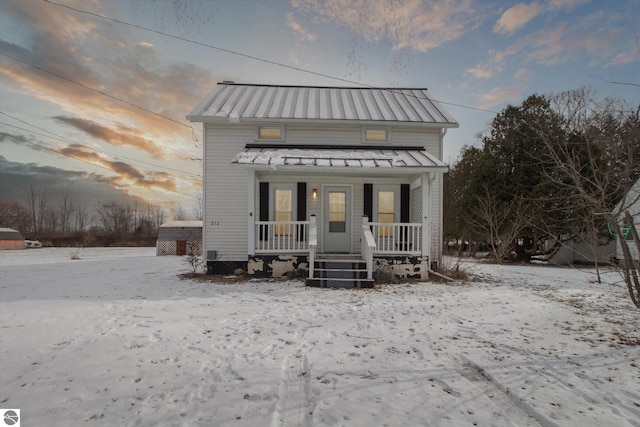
{"points": [[94, 93]]}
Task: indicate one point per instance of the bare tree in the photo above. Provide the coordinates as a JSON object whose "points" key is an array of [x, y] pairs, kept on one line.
{"points": [[197, 208], [37, 201], [596, 164], [81, 219], [159, 217], [16, 216], [499, 223], [116, 218], [65, 211], [178, 213]]}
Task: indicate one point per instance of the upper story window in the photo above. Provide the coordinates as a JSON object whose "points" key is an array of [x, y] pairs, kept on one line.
{"points": [[273, 133], [375, 135]]}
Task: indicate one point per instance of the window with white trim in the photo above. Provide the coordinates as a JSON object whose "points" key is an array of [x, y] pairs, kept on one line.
{"points": [[387, 207], [375, 135], [283, 202], [271, 133]]}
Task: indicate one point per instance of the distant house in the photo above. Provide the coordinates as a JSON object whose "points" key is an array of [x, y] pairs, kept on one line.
{"points": [[11, 239], [631, 202], [579, 251], [179, 238], [338, 181]]}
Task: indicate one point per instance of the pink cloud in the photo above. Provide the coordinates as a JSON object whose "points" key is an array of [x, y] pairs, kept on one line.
{"points": [[516, 17]]}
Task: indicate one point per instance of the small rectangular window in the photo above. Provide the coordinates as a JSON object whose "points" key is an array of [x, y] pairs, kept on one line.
{"points": [[376, 135], [270, 132]]}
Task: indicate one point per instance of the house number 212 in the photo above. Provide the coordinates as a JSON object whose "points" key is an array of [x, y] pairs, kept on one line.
{"points": [[215, 223]]}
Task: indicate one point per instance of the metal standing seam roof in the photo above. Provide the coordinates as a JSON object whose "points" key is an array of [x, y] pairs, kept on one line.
{"points": [[365, 158], [234, 101]]}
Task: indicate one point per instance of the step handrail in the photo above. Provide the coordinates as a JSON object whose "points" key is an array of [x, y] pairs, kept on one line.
{"points": [[313, 243], [368, 246]]}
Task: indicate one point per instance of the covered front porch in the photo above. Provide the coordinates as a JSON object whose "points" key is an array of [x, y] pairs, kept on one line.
{"points": [[283, 247], [372, 207]]}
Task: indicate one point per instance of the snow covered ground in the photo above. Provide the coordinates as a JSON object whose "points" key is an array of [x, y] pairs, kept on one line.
{"points": [[116, 338]]}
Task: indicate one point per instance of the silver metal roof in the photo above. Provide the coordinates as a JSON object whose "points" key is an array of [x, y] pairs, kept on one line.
{"points": [[235, 102], [329, 158]]}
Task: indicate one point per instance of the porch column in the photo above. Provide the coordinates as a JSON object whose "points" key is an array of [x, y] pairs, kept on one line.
{"points": [[426, 217], [251, 209]]}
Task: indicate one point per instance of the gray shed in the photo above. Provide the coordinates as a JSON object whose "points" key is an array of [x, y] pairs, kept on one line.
{"points": [[11, 239], [179, 238]]}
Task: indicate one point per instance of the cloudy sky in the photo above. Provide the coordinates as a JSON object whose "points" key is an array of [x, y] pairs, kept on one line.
{"points": [[94, 93]]}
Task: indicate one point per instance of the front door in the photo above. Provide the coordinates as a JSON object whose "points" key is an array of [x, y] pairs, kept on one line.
{"points": [[337, 219]]}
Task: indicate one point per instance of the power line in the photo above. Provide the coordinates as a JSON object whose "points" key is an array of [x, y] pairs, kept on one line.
{"points": [[96, 90], [244, 55], [40, 146], [91, 148]]}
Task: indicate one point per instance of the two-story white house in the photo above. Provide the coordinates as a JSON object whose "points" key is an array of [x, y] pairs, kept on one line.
{"points": [[315, 178]]}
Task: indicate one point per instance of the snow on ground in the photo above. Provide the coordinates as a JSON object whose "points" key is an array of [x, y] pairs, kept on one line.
{"points": [[116, 338]]}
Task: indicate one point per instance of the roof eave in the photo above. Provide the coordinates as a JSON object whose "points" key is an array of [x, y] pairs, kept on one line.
{"points": [[346, 170], [227, 120]]}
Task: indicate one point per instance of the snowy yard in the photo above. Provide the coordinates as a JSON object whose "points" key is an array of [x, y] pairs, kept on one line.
{"points": [[116, 338]]}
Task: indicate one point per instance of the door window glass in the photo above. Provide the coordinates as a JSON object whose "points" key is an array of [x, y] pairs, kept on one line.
{"points": [[337, 211]]}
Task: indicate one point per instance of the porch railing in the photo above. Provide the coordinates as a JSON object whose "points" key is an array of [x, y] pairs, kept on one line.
{"points": [[397, 238], [282, 237]]}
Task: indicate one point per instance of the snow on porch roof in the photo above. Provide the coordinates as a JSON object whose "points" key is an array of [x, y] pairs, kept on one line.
{"points": [[234, 102], [367, 158]]}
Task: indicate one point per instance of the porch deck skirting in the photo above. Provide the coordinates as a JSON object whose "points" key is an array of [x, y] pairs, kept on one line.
{"points": [[297, 266]]}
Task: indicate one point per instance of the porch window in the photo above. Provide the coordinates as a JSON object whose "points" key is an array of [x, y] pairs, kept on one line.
{"points": [[386, 212], [283, 211]]}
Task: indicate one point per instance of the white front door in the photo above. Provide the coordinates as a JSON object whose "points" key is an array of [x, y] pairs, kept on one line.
{"points": [[337, 219]]}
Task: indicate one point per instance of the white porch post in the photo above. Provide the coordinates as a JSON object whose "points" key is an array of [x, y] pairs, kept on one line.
{"points": [[426, 217], [251, 209]]}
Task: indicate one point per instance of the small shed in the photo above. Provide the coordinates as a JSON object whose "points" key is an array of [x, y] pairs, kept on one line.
{"points": [[11, 239], [179, 238]]}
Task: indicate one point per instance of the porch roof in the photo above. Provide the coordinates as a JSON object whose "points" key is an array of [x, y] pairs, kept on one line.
{"points": [[396, 159]]}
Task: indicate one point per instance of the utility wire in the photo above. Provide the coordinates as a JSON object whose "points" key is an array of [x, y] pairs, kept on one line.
{"points": [[41, 146], [117, 157], [96, 90], [244, 55]]}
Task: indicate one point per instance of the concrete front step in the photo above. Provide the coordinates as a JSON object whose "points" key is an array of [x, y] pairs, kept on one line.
{"points": [[339, 283], [340, 273], [335, 264]]}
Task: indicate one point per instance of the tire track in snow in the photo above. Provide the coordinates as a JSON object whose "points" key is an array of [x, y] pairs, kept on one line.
{"points": [[511, 405], [292, 408]]}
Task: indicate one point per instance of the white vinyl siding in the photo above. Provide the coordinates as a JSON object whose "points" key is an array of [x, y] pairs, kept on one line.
{"points": [[226, 214], [353, 135], [226, 194]]}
